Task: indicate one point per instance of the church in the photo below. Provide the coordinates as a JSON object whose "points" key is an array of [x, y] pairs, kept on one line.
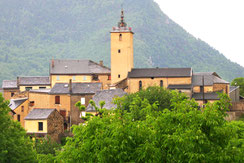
{"points": [[70, 81]]}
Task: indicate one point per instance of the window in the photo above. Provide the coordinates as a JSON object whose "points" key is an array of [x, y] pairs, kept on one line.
{"points": [[83, 100], [57, 78], [57, 99], [152, 77], [28, 88], [95, 77], [120, 37], [161, 83], [201, 88], [140, 85], [119, 51], [12, 94], [22, 108], [119, 76], [18, 117], [32, 103], [73, 78], [84, 78], [109, 77], [40, 126], [42, 87]]}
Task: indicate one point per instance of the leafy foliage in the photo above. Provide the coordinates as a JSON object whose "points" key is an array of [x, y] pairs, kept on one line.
{"points": [[15, 145], [143, 134], [239, 82], [35, 31]]}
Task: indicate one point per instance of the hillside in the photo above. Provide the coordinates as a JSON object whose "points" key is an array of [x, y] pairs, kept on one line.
{"points": [[34, 31]]}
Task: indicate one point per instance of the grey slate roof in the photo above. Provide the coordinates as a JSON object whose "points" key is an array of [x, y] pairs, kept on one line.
{"points": [[107, 96], [160, 72], [189, 86], [209, 79], [232, 88], [14, 103], [34, 80], [39, 114], [77, 67], [207, 96], [77, 88], [7, 84]]}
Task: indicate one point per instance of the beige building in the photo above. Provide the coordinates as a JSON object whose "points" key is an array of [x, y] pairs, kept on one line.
{"points": [[45, 122], [21, 109], [9, 88], [79, 71]]}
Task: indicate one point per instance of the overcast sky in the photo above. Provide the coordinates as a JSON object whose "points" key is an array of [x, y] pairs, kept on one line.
{"points": [[220, 23]]}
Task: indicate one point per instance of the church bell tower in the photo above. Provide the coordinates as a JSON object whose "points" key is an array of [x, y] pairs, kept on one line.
{"points": [[121, 51]]}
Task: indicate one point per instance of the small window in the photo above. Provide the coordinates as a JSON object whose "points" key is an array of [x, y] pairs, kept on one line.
{"points": [[57, 99], [140, 85], [42, 87], [84, 78], [83, 100], [109, 77], [152, 77], [32, 103], [161, 83], [57, 78], [95, 77], [119, 76], [73, 78], [40, 126], [12, 94], [18, 116], [120, 37], [22, 108], [119, 51], [28, 88]]}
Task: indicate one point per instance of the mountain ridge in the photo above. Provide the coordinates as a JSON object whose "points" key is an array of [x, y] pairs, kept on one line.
{"points": [[35, 31]]}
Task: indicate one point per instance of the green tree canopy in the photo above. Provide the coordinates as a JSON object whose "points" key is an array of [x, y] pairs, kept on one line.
{"points": [[145, 134], [239, 82], [15, 145]]}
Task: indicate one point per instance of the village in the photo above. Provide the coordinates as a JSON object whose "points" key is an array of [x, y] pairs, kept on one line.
{"points": [[45, 105]]}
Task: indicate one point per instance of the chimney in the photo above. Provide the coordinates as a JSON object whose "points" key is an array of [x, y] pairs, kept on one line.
{"points": [[18, 82], [52, 63], [101, 63], [70, 86]]}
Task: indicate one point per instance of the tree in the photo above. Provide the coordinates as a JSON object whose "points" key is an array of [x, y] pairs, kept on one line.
{"points": [[144, 134], [239, 82], [15, 145]]}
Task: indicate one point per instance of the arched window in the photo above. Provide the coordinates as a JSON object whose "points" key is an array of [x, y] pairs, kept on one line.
{"points": [[120, 37], [161, 83], [140, 85]]}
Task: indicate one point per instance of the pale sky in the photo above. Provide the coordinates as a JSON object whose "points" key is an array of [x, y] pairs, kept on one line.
{"points": [[220, 23]]}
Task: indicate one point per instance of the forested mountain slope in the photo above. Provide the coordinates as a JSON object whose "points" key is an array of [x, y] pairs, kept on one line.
{"points": [[34, 31]]}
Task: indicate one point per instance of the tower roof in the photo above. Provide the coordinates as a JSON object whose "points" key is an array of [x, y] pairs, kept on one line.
{"points": [[122, 25]]}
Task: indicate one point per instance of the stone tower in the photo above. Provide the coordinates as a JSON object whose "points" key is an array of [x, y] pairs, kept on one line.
{"points": [[121, 51]]}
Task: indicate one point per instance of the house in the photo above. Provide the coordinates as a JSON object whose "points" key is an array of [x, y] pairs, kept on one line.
{"points": [[21, 109], [79, 71], [107, 96], [10, 88], [63, 97], [235, 93], [45, 122], [33, 82]]}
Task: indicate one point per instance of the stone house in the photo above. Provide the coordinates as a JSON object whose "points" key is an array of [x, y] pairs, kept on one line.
{"points": [[9, 88], [45, 122], [33, 82], [63, 97]]}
